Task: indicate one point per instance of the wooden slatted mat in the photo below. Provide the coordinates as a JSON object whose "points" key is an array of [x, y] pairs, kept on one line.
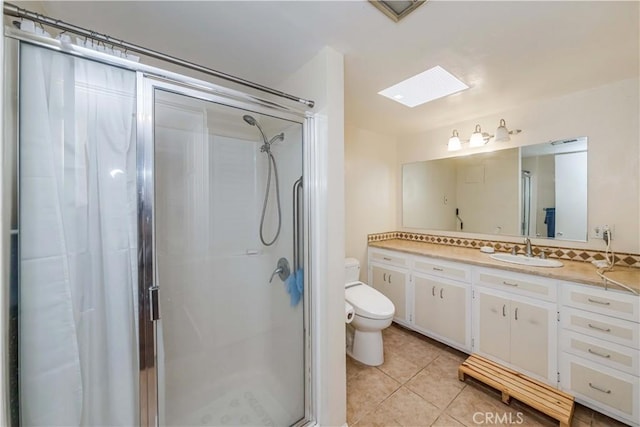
{"points": [[512, 384]]}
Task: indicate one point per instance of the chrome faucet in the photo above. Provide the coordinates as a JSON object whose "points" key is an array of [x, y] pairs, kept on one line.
{"points": [[527, 251]]}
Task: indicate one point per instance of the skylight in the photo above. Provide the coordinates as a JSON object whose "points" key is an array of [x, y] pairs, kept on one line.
{"points": [[424, 87]]}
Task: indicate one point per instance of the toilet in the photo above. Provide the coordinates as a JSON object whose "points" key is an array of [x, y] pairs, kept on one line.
{"points": [[373, 312]]}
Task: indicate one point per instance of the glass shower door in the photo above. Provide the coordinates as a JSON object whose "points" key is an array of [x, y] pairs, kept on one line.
{"points": [[230, 337]]}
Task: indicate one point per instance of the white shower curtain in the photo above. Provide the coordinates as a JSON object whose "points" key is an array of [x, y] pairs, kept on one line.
{"points": [[78, 344]]}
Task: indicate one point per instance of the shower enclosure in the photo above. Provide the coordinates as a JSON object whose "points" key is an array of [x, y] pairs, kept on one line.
{"points": [[161, 247]]}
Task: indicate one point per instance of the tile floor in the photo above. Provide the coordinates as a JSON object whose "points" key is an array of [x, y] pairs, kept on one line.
{"points": [[418, 386]]}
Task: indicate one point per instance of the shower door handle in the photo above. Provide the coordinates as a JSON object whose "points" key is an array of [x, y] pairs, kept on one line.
{"points": [[154, 303]]}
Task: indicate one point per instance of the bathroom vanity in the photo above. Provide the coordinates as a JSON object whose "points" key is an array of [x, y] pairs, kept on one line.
{"points": [[558, 325]]}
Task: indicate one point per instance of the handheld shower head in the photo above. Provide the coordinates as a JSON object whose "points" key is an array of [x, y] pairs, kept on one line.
{"points": [[249, 119], [253, 122]]}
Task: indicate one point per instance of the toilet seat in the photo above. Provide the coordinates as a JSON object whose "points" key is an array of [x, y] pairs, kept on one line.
{"points": [[368, 302]]}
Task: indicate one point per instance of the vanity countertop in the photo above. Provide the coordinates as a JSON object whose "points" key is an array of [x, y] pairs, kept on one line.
{"points": [[572, 271]]}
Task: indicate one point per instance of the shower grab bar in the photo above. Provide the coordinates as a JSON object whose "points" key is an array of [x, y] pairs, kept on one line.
{"points": [[18, 12], [297, 187]]}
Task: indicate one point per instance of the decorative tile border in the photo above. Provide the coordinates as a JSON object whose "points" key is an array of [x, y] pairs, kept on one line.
{"points": [[572, 254]]}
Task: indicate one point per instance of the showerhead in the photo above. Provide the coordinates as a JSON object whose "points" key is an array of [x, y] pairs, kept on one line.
{"points": [[253, 122], [249, 119]]}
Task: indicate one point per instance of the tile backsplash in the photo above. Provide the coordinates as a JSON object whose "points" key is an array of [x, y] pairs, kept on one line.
{"points": [[573, 254]]}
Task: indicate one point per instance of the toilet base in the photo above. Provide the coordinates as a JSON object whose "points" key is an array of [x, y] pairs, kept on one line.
{"points": [[367, 348]]}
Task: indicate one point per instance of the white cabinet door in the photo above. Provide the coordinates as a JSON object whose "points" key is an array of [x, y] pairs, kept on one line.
{"points": [[493, 333], [392, 283], [530, 337], [520, 332], [452, 312], [425, 302], [441, 308]]}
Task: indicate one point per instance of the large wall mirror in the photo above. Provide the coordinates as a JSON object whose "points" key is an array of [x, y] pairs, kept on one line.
{"points": [[537, 191]]}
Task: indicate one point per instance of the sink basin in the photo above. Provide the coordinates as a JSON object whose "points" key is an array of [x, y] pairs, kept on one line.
{"points": [[524, 260]]}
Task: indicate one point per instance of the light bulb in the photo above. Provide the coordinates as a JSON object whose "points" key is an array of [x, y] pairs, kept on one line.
{"points": [[477, 140], [454, 142]]}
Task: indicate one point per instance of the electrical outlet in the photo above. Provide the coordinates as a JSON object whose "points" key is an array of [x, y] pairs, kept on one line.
{"points": [[598, 230]]}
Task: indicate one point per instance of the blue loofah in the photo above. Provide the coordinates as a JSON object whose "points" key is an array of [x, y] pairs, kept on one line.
{"points": [[292, 290], [300, 281], [295, 287]]}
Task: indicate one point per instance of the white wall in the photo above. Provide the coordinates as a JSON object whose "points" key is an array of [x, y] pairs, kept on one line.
{"points": [[608, 115], [370, 189], [322, 79]]}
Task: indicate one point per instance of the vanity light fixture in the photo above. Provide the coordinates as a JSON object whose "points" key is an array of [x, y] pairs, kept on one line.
{"points": [[454, 142], [479, 138], [503, 134]]}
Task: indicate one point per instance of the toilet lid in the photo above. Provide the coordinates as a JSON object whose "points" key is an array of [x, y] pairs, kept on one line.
{"points": [[368, 302]]}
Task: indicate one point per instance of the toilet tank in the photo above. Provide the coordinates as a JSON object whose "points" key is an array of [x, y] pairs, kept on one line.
{"points": [[351, 270]]}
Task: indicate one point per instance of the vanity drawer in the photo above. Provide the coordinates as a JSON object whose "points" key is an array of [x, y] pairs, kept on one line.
{"points": [[599, 351], [603, 327], [607, 388], [518, 283], [388, 257], [611, 303], [436, 267]]}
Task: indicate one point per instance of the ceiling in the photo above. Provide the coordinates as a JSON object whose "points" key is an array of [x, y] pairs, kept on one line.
{"points": [[509, 52]]}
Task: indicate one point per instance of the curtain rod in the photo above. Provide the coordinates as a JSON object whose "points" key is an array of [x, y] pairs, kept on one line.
{"points": [[13, 10]]}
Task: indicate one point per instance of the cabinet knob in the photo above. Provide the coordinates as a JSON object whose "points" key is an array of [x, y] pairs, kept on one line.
{"points": [[504, 310], [441, 289], [433, 291]]}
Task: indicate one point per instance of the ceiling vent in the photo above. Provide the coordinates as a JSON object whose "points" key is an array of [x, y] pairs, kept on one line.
{"points": [[397, 9]]}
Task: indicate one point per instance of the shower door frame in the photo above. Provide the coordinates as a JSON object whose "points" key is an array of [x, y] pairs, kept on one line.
{"points": [[147, 79], [147, 280]]}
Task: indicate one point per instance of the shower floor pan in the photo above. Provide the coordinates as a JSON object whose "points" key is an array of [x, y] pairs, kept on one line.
{"points": [[238, 402]]}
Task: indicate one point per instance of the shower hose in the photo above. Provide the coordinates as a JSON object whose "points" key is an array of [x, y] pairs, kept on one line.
{"points": [[272, 165]]}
